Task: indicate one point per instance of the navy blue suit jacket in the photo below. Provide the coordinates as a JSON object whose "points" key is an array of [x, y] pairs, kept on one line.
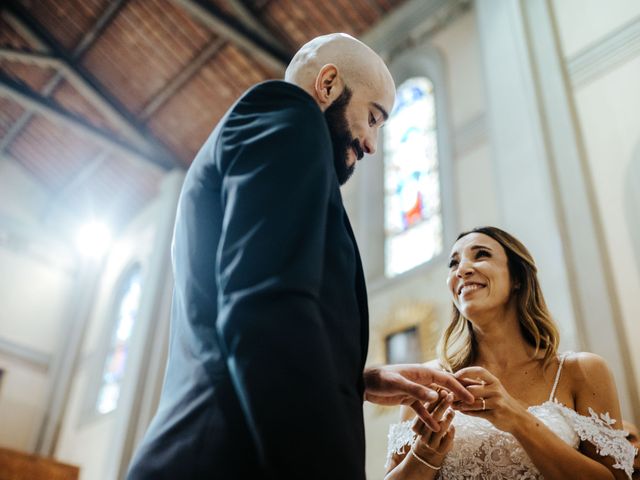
{"points": [[269, 326]]}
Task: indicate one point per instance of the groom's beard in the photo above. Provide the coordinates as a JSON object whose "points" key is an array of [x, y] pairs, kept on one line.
{"points": [[341, 137]]}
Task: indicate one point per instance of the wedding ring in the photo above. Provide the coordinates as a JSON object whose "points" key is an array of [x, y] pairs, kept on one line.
{"points": [[484, 404]]}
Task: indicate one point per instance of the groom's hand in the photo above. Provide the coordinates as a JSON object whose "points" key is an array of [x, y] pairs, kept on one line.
{"points": [[412, 385]]}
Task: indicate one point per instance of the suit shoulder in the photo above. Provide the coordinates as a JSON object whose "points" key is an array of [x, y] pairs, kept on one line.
{"points": [[279, 101], [275, 114], [277, 124], [278, 89]]}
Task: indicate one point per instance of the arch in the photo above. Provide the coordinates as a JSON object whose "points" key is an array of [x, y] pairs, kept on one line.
{"points": [[124, 311], [425, 62]]}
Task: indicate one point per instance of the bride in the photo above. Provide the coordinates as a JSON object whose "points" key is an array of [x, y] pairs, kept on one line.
{"points": [[537, 413]]}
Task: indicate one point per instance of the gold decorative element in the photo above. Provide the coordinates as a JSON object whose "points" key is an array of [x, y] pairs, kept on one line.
{"points": [[410, 324]]}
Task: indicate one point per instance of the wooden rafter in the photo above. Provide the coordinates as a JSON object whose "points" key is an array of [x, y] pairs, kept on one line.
{"points": [[182, 78], [89, 87], [246, 16], [236, 32], [18, 92]]}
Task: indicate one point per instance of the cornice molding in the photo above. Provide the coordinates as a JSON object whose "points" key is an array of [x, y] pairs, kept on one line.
{"points": [[604, 55], [30, 356]]}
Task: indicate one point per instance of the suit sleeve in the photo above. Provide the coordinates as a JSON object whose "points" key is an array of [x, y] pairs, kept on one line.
{"points": [[276, 186]]}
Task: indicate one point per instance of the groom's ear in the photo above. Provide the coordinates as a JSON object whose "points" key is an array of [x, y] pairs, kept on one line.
{"points": [[328, 85]]}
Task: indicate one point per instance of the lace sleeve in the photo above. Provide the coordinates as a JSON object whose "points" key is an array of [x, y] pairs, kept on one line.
{"points": [[608, 441], [400, 436]]}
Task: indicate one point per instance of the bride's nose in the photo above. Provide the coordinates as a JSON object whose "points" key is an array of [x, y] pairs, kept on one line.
{"points": [[464, 269]]}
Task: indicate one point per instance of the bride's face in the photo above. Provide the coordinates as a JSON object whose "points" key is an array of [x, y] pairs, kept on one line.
{"points": [[479, 279]]}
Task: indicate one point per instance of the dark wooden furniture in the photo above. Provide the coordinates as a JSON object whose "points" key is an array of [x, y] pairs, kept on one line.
{"points": [[24, 466]]}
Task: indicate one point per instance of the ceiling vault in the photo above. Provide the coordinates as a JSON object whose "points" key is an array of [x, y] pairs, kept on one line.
{"points": [[236, 32], [19, 92], [86, 84]]}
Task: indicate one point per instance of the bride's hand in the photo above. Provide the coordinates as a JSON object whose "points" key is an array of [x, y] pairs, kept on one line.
{"points": [[492, 401], [430, 446]]}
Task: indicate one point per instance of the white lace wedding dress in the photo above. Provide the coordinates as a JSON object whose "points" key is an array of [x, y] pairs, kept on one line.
{"points": [[481, 451]]}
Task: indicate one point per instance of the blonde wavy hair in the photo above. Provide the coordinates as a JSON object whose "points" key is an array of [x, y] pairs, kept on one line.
{"points": [[458, 347]]}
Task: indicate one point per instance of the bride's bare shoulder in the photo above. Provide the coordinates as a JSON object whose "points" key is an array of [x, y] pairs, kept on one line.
{"points": [[586, 367], [593, 384]]}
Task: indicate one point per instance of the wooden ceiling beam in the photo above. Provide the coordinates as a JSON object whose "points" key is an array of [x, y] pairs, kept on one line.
{"points": [[105, 19], [236, 32], [90, 88], [89, 38], [10, 88], [246, 16], [28, 57], [182, 78], [51, 61]]}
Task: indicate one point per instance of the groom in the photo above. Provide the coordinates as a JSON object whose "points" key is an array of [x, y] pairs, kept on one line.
{"points": [[265, 376]]}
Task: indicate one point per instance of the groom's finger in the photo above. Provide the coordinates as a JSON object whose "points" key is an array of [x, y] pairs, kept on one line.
{"points": [[417, 391], [449, 381], [438, 412]]}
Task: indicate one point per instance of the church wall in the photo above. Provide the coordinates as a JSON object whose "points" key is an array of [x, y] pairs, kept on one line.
{"points": [[20, 196], [36, 274], [582, 23], [102, 444], [87, 437], [606, 99], [22, 401], [606, 109], [475, 203], [607, 102]]}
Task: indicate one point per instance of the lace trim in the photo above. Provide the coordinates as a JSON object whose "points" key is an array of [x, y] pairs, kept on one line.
{"points": [[595, 428], [608, 441], [400, 436]]}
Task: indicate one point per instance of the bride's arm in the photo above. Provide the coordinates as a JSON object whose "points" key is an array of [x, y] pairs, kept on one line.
{"points": [[416, 452], [594, 391], [593, 387]]}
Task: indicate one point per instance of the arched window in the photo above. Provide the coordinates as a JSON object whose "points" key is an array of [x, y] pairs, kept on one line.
{"points": [[126, 311], [412, 200]]}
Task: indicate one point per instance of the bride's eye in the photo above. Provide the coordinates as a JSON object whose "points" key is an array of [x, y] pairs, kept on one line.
{"points": [[482, 253], [452, 263]]}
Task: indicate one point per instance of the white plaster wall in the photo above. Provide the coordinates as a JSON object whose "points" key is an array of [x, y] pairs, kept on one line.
{"points": [[22, 397], [85, 437], [460, 46], [35, 289], [607, 110], [81, 442], [428, 287], [34, 298], [20, 195], [583, 22], [475, 189], [476, 204]]}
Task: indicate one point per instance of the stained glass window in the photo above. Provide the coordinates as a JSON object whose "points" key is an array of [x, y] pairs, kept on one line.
{"points": [[413, 215], [126, 310]]}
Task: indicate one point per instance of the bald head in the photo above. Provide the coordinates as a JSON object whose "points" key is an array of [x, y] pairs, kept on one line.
{"points": [[357, 65], [353, 87]]}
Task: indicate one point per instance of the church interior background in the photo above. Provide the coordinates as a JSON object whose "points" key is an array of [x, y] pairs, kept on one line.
{"points": [[516, 113]]}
